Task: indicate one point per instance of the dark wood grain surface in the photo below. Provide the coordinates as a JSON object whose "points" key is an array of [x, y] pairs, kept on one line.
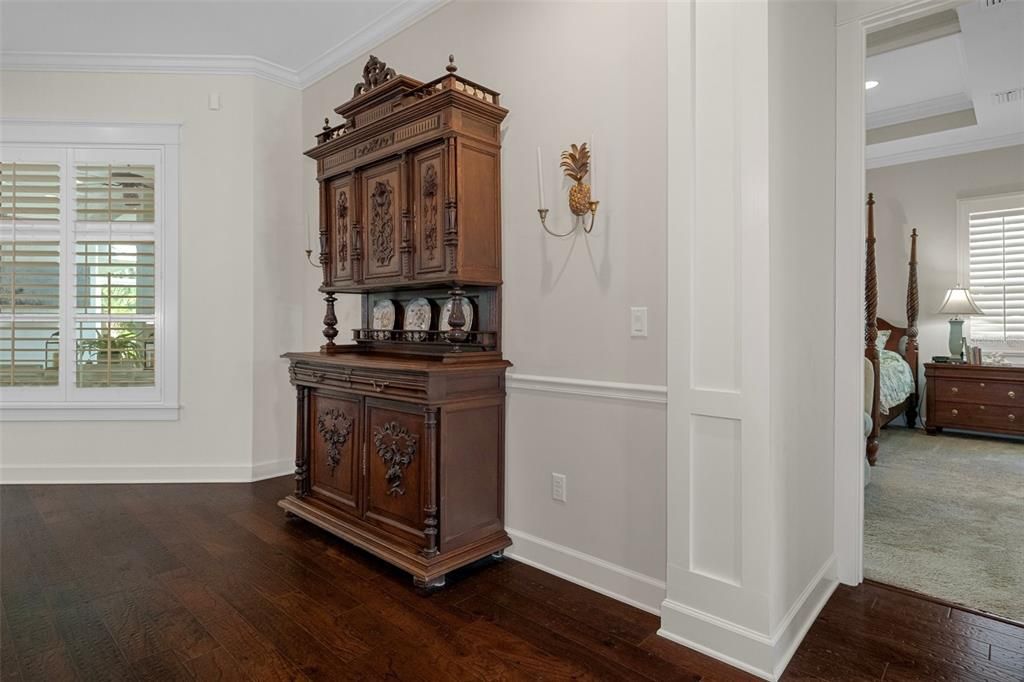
{"points": [[209, 582]]}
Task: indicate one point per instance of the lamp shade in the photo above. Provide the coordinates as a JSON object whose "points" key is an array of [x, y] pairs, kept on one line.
{"points": [[959, 302]]}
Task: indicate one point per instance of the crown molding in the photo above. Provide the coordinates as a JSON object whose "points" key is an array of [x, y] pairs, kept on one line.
{"points": [[940, 151], [919, 110], [373, 34], [88, 62], [401, 17]]}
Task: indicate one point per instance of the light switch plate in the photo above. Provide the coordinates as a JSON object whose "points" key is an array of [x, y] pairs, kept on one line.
{"points": [[638, 322], [558, 487]]}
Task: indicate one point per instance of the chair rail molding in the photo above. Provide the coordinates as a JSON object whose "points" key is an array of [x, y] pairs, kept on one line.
{"points": [[611, 390]]}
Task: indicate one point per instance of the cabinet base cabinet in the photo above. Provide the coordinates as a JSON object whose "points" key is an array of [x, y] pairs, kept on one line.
{"points": [[415, 477]]}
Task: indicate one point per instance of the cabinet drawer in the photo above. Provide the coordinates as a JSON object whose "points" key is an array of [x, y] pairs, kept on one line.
{"points": [[969, 416], [362, 380], [980, 391]]}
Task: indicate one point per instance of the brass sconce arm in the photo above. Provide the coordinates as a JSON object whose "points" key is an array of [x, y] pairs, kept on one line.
{"points": [[587, 227]]}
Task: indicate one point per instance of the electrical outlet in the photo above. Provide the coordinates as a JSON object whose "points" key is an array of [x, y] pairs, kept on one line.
{"points": [[558, 487], [638, 321]]}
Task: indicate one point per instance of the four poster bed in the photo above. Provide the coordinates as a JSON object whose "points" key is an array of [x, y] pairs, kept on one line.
{"points": [[891, 350]]}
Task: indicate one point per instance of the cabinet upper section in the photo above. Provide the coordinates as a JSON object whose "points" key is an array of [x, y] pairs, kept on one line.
{"points": [[411, 184]]}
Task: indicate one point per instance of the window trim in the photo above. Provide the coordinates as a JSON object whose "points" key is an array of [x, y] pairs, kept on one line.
{"points": [[964, 208], [165, 138]]}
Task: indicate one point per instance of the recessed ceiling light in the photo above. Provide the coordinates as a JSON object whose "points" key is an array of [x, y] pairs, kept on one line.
{"points": [[870, 84]]}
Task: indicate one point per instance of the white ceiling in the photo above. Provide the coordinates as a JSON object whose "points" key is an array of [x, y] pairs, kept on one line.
{"points": [[299, 40], [952, 73]]}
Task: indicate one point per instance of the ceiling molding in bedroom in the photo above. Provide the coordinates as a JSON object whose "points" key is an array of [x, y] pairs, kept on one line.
{"points": [[937, 25], [953, 149], [918, 110], [387, 26]]}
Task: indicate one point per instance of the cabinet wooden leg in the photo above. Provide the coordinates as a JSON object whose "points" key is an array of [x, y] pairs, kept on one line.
{"points": [[432, 584], [933, 430]]}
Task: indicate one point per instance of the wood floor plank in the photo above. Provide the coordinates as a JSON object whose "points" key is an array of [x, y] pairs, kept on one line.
{"points": [[212, 582], [216, 666]]}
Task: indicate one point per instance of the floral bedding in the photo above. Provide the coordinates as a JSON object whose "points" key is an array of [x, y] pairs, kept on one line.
{"points": [[896, 379]]}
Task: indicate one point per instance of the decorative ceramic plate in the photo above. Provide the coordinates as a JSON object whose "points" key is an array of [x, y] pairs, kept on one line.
{"points": [[417, 318], [467, 312], [383, 318]]}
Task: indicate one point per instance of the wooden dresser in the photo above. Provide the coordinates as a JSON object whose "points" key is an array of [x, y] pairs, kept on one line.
{"points": [[975, 398], [400, 434]]}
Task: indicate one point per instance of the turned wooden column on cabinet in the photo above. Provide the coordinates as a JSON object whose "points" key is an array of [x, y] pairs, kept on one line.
{"points": [[400, 434]]}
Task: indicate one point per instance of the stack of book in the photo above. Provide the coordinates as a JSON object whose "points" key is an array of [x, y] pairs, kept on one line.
{"points": [[972, 355]]}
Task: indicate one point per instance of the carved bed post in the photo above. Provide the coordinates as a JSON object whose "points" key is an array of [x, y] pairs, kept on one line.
{"points": [[911, 350], [871, 330]]}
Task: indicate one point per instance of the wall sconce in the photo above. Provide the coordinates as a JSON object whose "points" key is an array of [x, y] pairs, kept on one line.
{"points": [[576, 164]]}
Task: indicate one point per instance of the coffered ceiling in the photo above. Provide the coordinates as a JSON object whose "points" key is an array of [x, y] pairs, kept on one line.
{"points": [[956, 88], [294, 42]]}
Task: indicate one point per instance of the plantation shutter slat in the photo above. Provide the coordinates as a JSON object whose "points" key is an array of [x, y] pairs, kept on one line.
{"points": [[115, 193], [996, 268], [29, 191]]}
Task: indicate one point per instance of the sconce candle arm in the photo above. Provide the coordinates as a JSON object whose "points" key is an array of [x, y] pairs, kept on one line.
{"points": [[543, 213]]}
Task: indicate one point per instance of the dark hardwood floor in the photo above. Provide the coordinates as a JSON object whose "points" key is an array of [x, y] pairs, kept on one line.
{"points": [[165, 582]]}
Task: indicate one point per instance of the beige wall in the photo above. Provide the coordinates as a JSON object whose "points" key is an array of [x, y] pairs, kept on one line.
{"points": [[565, 72], [232, 192], [923, 195]]}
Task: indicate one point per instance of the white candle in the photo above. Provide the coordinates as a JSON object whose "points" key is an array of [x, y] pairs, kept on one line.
{"points": [[540, 180], [593, 176]]}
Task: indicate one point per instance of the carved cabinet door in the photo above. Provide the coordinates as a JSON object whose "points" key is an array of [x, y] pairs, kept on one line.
{"points": [[341, 214], [382, 204], [336, 436], [428, 197], [398, 469]]}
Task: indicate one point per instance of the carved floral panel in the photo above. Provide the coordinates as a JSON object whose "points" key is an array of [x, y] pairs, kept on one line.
{"points": [[396, 447], [382, 223], [335, 428]]}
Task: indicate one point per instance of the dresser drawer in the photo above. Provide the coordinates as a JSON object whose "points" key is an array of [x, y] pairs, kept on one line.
{"points": [[363, 380], [979, 391], [981, 417]]}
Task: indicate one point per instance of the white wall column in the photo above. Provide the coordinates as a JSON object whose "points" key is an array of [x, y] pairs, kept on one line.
{"points": [[734, 482]]}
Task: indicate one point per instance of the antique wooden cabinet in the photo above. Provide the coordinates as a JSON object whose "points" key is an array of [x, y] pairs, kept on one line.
{"points": [[400, 434]]}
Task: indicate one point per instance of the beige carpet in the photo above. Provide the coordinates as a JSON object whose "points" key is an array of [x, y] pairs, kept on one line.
{"points": [[944, 515]]}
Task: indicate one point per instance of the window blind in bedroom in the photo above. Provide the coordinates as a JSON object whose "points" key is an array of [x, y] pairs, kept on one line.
{"points": [[996, 266]]}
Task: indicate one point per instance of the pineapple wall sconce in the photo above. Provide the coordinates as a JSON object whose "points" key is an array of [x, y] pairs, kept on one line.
{"points": [[576, 165]]}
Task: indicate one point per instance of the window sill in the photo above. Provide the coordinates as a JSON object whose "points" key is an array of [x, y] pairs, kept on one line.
{"points": [[68, 412]]}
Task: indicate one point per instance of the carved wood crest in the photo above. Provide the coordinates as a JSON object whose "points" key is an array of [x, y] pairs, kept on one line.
{"points": [[396, 446], [335, 428], [382, 223], [430, 209], [343, 230], [375, 72]]}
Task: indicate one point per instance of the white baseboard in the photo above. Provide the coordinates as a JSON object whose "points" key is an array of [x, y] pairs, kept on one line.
{"points": [[750, 651], [186, 473], [272, 469], [593, 573]]}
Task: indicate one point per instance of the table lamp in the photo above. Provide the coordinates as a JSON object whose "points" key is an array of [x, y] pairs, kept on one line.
{"points": [[958, 302]]}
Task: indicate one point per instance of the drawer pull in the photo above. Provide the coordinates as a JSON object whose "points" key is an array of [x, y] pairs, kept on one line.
{"points": [[981, 407], [1012, 418], [982, 385], [956, 412], [378, 387], [1012, 394], [954, 390]]}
